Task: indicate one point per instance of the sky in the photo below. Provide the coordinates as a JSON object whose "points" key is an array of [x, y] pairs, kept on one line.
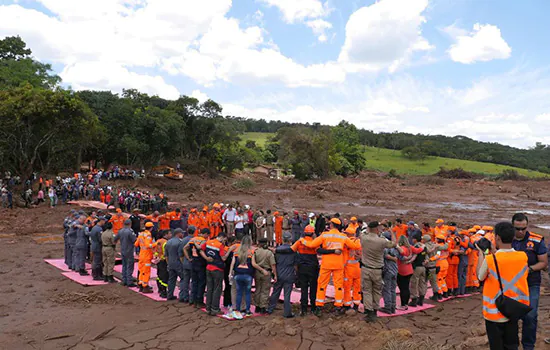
{"points": [[476, 68]]}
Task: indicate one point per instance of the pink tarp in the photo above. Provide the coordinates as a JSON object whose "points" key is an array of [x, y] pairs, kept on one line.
{"points": [[60, 264], [83, 280]]}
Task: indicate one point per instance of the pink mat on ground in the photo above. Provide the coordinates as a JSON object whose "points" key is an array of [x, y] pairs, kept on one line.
{"points": [[83, 280], [60, 264]]}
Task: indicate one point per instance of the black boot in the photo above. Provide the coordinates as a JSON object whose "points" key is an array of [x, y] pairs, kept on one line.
{"points": [[439, 297], [303, 312], [421, 301], [434, 297], [368, 316], [111, 279], [105, 279], [356, 307], [83, 272], [140, 288], [413, 302]]}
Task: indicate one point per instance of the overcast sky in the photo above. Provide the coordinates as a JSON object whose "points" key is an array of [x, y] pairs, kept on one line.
{"points": [[478, 68]]}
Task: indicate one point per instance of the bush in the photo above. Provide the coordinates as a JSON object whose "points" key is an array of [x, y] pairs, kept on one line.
{"points": [[457, 173], [393, 174], [414, 153], [510, 174], [244, 184]]}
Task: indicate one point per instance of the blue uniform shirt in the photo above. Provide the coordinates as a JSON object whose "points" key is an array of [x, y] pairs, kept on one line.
{"points": [[532, 245]]}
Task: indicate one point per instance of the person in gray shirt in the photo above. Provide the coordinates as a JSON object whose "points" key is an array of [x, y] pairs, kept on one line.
{"points": [[187, 267], [127, 238], [80, 246], [175, 267], [389, 275], [95, 249]]}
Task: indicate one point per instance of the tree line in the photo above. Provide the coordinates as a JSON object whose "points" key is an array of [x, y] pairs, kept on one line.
{"points": [[46, 128]]}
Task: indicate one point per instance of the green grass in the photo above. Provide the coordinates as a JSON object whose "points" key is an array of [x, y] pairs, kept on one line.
{"points": [[259, 137], [385, 159]]}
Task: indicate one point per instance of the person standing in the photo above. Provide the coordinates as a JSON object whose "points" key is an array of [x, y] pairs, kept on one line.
{"points": [[534, 246], [80, 246], [95, 249], [407, 255], [127, 238], [433, 252], [269, 227], [172, 253], [512, 266], [162, 265], [418, 280], [229, 220], [295, 226], [108, 251], [278, 228], [239, 225], [136, 221], [146, 245], [352, 271], [215, 254], [185, 291], [442, 263], [332, 265], [242, 271], [198, 264], [285, 276], [389, 272], [463, 251], [260, 222], [371, 272], [265, 261]]}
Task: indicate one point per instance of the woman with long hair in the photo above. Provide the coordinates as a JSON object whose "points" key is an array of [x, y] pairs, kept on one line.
{"points": [[243, 271]]}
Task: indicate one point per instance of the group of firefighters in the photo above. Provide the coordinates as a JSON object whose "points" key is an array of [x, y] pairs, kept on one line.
{"points": [[197, 246]]}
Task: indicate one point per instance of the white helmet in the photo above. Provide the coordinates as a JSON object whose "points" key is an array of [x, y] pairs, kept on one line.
{"points": [[311, 215], [246, 206]]}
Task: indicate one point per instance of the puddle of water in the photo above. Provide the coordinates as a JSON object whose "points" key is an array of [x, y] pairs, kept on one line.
{"points": [[277, 191], [456, 205], [537, 212]]}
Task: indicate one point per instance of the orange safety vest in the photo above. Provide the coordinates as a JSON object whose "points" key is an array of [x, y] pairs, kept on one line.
{"points": [[441, 230], [332, 239], [202, 220], [118, 223], [193, 242], [352, 256], [159, 251], [164, 222], [513, 272], [193, 220], [145, 244], [302, 249]]}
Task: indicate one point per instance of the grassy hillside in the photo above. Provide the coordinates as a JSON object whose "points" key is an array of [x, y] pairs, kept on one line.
{"points": [[385, 159]]}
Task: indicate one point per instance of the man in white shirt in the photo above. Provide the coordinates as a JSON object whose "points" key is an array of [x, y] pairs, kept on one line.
{"points": [[229, 220]]}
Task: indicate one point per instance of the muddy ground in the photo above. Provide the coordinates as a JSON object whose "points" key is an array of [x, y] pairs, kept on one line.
{"points": [[40, 309]]}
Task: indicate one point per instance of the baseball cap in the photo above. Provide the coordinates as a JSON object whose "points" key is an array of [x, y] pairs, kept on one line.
{"points": [[410, 223], [336, 221], [287, 235], [311, 215], [149, 224], [439, 221], [127, 222]]}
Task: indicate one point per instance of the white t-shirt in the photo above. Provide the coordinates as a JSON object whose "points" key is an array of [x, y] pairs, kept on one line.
{"points": [[230, 214], [239, 223]]}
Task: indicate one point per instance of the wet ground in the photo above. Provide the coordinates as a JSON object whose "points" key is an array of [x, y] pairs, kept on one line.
{"points": [[40, 309]]}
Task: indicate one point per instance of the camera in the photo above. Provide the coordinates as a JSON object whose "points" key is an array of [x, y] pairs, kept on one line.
{"points": [[484, 244]]}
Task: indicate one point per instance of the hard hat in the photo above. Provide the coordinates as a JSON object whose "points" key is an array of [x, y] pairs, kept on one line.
{"points": [[118, 210], [350, 231], [205, 208], [309, 229], [311, 215], [477, 227], [487, 228], [440, 236], [481, 232], [336, 221], [464, 232], [276, 213], [247, 206], [439, 221], [472, 230], [149, 224], [216, 205], [353, 218]]}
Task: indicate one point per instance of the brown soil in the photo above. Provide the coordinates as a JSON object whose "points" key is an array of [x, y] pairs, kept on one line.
{"points": [[40, 309]]}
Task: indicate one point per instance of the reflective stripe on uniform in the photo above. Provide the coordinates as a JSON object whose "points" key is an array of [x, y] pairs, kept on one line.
{"points": [[508, 286], [148, 265], [338, 300], [319, 301], [353, 262], [212, 247], [162, 283], [348, 303], [331, 235]]}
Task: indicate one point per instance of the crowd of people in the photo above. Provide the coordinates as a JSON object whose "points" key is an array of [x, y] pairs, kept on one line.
{"points": [[211, 247]]}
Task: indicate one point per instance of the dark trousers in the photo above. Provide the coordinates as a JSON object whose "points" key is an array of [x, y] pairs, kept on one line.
{"points": [[214, 281], [162, 277], [462, 268], [128, 269], [227, 288], [502, 336], [278, 287], [198, 275], [404, 282], [173, 275], [79, 258], [530, 321], [70, 256], [307, 278], [97, 259], [185, 284]]}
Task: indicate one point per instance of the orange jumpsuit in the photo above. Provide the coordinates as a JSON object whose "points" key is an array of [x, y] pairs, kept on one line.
{"points": [[146, 246], [443, 265], [440, 230], [331, 264], [215, 222], [452, 274], [102, 197], [193, 220], [352, 273], [118, 223], [279, 229], [430, 232], [203, 220], [164, 222], [400, 230], [473, 258]]}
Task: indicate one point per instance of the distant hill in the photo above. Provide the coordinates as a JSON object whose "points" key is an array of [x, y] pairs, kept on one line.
{"points": [[383, 159]]}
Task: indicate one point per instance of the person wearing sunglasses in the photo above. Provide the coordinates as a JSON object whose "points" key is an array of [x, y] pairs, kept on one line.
{"points": [[535, 248]]}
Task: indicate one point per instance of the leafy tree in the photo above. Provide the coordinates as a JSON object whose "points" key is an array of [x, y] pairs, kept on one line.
{"points": [[18, 67], [414, 153]]}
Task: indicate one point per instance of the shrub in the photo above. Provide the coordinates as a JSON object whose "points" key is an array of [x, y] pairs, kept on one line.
{"points": [[244, 184]]}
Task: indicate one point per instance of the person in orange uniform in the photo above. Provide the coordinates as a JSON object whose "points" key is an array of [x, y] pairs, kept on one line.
{"points": [[427, 230], [452, 274], [473, 258], [102, 196], [117, 221], [203, 220], [193, 220], [154, 218], [489, 234], [175, 219], [332, 264], [352, 270], [146, 246], [440, 228], [400, 229], [443, 264], [279, 228], [164, 225], [215, 220]]}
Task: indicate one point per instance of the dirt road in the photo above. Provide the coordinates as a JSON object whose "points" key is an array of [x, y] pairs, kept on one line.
{"points": [[40, 309]]}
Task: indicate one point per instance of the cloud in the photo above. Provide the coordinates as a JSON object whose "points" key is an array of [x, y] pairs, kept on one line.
{"points": [[484, 43], [102, 76], [491, 131], [543, 118], [384, 35], [498, 117], [201, 96], [319, 27], [299, 10]]}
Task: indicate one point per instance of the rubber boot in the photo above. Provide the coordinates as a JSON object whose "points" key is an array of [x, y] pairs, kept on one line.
{"points": [[105, 279], [413, 302], [83, 272], [434, 297], [303, 312], [140, 288], [147, 290], [439, 297], [368, 317], [420, 301], [356, 307], [111, 279]]}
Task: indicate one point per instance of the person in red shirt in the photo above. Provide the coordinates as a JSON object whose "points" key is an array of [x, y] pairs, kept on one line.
{"points": [[215, 254]]}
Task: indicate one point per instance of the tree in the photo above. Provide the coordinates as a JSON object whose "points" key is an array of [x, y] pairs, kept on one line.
{"points": [[414, 153], [40, 128], [18, 67]]}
